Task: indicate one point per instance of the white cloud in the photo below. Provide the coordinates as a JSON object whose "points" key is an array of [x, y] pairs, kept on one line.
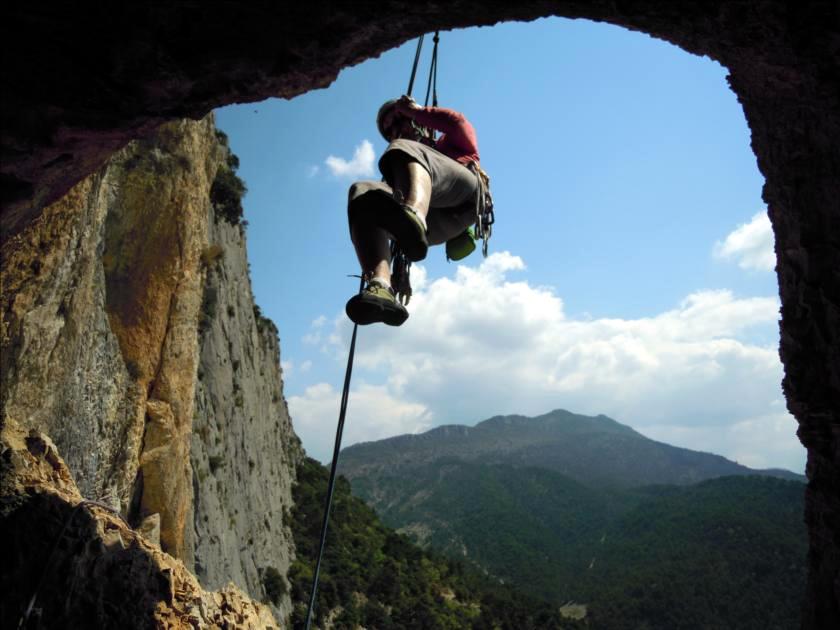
{"points": [[766, 441], [751, 244], [480, 344], [314, 336], [361, 165], [372, 413]]}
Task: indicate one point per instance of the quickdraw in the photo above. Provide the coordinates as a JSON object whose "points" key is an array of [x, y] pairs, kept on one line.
{"points": [[485, 217]]}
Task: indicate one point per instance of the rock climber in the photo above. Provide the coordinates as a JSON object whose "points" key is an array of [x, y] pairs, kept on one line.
{"points": [[428, 196]]}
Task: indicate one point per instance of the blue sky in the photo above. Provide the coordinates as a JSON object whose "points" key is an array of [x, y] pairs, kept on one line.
{"points": [[631, 272]]}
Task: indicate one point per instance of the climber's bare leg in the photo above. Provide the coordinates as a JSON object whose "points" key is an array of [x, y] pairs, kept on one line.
{"points": [[413, 182], [373, 251]]}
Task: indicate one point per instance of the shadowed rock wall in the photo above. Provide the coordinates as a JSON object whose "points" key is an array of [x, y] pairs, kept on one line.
{"points": [[81, 83], [69, 563]]}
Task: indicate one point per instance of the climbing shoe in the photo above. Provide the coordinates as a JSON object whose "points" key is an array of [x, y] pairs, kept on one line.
{"points": [[408, 230], [376, 304]]}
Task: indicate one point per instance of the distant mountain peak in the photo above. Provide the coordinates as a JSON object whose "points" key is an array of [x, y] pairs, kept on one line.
{"points": [[594, 450]]}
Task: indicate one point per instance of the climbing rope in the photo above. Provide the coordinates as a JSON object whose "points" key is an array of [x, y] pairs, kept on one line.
{"points": [[414, 67], [432, 84], [345, 394], [402, 288], [400, 273]]}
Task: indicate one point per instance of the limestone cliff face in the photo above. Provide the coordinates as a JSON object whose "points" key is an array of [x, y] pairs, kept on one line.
{"points": [[154, 237], [100, 309], [62, 370], [243, 445], [129, 337]]}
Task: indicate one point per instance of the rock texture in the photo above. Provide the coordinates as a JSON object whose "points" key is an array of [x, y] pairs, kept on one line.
{"points": [[69, 563], [100, 309], [130, 336], [155, 234], [244, 451], [84, 83], [62, 369]]}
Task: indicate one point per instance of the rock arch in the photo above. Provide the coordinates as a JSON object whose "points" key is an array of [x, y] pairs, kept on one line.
{"points": [[78, 83]]}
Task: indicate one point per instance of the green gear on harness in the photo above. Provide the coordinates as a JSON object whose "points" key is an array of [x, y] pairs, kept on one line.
{"points": [[461, 246]]}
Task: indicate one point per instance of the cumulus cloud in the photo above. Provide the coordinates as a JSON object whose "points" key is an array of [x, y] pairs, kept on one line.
{"points": [[481, 336], [372, 413], [750, 244], [481, 343], [316, 327], [764, 441], [361, 164]]}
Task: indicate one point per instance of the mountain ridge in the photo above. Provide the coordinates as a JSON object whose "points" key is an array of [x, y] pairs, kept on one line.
{"points": [[684, 539], [603, 451]]}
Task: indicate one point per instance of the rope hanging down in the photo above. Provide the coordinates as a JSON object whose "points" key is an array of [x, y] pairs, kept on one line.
{"points": [[432, 84], [401, 267], [414, 67], [345, 394], [400, 274]]}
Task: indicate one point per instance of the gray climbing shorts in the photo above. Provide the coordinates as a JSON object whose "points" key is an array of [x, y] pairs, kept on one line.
{"points": [[452, 206]]}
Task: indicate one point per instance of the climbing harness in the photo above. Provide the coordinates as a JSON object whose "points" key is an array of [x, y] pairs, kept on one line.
{"points": [[463, 245]]}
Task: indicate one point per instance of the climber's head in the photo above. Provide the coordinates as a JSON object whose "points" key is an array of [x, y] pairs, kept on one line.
{"points": [[392, 123]]}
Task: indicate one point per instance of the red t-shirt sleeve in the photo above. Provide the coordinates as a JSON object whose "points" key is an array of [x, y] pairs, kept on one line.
{"points": [[459, 132]]}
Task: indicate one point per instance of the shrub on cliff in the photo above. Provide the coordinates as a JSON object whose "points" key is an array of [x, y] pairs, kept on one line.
{"points": [[228, 189], [274, 584]]}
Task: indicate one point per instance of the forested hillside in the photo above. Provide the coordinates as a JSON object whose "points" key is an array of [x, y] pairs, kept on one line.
{"points": [[374, 577], [726, 553], [562, 506]]}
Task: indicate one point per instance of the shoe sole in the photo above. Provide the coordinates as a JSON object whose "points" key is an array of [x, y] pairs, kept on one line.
{"points": [[363, 311]]}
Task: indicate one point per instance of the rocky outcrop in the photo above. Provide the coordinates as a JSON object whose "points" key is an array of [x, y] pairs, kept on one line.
{"points": [[244, 452], [72, 563]]}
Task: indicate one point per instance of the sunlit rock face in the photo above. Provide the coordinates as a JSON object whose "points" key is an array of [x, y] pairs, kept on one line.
{"points": [[78, 85], [166, 407], [244, 450], [100, 331]]}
